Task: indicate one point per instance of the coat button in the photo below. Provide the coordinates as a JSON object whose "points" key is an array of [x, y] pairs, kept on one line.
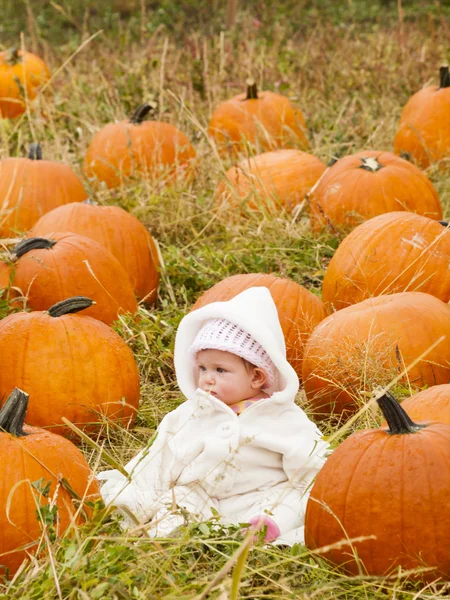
{"points": [[226, 429]]}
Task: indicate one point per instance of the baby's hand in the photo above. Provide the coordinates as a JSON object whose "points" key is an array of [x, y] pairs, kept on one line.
{"points": [[272, 531]]}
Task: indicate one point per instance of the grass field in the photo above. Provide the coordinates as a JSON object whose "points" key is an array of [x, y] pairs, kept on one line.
{"points": [[350, 66]]}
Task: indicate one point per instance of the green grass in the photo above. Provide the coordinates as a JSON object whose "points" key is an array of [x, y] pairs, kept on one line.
{"points": [[60, 22], [350, 66]]}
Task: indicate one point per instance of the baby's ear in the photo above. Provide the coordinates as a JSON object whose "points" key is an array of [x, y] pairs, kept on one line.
{"points": [[259, 378]]}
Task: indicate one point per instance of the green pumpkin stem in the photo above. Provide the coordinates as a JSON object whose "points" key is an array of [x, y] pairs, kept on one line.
{"points": [[444, 77], [12, 56], [141, 113], [36, 243], [13, 412], [398, 420], [70, 306], [252, 90], [35, 151]]}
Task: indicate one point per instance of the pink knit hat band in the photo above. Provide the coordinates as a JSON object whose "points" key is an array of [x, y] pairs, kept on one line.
{"points": [[220, 334]]}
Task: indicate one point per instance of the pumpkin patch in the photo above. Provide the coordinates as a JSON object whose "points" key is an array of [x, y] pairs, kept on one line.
{"points": [[157, 158]]}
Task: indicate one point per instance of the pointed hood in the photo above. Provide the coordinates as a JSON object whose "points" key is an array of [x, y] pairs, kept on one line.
{"points": [[254, 311]]}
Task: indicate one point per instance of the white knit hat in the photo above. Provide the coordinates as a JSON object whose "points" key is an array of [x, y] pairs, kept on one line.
{"points": [[220, 334]]}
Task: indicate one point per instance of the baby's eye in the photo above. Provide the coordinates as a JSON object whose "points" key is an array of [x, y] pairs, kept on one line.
{"points": [[220, 370], [202, 368]]}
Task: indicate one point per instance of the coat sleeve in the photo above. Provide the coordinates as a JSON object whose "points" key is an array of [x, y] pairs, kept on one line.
{"points": [[304, 452], [152, 473]]}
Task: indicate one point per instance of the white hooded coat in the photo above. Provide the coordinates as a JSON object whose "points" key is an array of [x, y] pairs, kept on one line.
{"points": [[205, 456]]}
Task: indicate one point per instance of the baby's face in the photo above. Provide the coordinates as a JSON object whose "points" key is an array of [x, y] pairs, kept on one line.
{"points": [[225, 376]]}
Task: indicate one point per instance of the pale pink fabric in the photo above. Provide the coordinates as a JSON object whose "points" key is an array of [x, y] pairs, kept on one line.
{"points": [[272, 531], [221, 334]]}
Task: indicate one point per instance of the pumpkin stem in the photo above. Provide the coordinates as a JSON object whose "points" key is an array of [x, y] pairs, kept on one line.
{"points": [[406, 156], [370, 164], [444, 77], [37, 243], [35, 152], [141, 112], [398, 420], [70, 306], [252, 90], [90, 202], [13, 412], [12, 56]]}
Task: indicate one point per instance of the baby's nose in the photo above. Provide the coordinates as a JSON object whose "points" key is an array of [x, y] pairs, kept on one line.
{"points": [[209, 378]]}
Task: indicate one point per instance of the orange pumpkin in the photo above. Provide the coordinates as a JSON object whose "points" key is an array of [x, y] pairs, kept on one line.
{"points": [[394, 252], [372, 341], [281, 178], [5, 275], [298, 309], [264, 120], [30, 187], [432, 404], [381, 499], [39, 469], [367, 184], [423, 132], [73, 366], [51, 269], [21, 76], [118, 231], [152, 149]]}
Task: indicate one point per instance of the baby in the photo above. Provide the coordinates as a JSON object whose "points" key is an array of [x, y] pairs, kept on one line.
{"points": [[239, 446]]}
